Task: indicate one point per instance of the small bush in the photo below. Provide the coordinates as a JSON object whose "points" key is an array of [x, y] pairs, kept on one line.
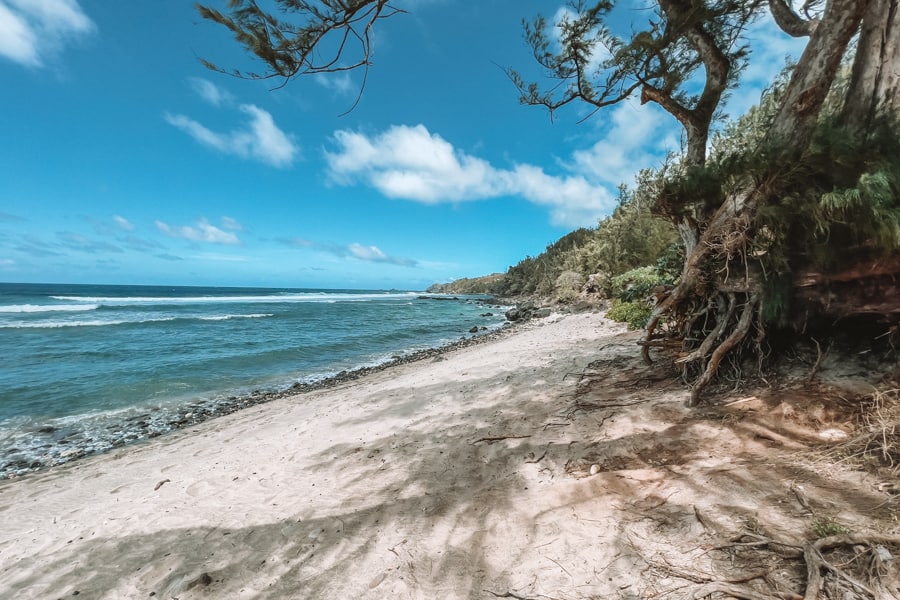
{"points": [[635, 313], [827, 526], [566, 295], [636, 284], [569, 280]]}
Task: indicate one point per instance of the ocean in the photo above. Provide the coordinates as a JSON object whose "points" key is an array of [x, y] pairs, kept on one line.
{"points": [[87, 368]]}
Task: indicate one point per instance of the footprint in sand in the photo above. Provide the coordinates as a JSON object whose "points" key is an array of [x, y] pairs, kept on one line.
{"points": [[199, 488]]}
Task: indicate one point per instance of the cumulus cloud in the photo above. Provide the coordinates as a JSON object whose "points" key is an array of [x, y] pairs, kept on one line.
{"points": [[33, 30], [259, 138], [354, 250], [411, 163], [635, 137], [210, 92], [203, 231]]}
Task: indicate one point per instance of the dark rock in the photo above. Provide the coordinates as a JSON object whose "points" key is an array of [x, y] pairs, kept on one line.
{"points": [[488, 314], [542, 313], [513, 314], [474, 329], [203, 579]]}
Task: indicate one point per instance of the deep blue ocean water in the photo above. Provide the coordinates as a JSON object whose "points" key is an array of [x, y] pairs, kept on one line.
{"points": [[79, 363]]}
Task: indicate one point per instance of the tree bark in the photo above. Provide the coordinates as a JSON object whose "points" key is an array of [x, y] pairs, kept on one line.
{"points": [[790, 22], [793, 126], [875, 80]]}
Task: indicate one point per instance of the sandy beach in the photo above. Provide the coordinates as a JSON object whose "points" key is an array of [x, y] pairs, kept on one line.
{"points": [[549, 463]]}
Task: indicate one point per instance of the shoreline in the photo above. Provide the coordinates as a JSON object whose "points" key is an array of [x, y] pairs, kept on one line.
{"points": [[549, 463], [154, 422], [284, 461]]}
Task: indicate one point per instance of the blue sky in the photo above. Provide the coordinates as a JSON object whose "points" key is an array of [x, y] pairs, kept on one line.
{"points": [[124, 160]]}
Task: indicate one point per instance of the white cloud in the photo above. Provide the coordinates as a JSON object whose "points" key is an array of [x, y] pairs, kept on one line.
{"points": [[374, 254], [202, 232], [210, 92], [32, 30], [259, 139], [339, 83], [770, 46], [354, 250], [123, 223], [232, 224], [413, 164], [636, 137]]}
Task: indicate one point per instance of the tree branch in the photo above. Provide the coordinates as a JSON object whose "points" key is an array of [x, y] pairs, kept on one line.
{"points": [[790, 22]]}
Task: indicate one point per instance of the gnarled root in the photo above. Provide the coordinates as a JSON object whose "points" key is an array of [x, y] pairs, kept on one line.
{"points": [[736, 337]]}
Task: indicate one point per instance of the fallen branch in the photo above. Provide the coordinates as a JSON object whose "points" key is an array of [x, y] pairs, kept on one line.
{"points": [[516, 596], [499, 438], [729, 589], [539, 459]]}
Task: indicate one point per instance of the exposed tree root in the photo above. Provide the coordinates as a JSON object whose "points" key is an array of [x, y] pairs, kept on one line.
{"points": [[728, 589], [499, 438], [737, 336], [874, 575]]}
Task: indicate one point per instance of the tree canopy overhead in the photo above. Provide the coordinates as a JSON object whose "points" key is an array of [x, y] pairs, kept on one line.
{"points": [[754, 224], [320, 36]]}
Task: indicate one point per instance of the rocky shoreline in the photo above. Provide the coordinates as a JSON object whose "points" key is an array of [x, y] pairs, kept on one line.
{"points": [[45, 446]]}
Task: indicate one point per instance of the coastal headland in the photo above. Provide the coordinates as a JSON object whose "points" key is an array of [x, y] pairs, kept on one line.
{"points": [[548, 462]]}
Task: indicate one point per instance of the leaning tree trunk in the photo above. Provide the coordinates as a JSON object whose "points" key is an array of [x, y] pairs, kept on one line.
{"points": [[875, 80], [795, 122], [718, 298]]}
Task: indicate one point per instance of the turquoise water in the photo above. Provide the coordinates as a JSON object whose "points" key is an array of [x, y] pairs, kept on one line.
{"points": [[80, 362]]}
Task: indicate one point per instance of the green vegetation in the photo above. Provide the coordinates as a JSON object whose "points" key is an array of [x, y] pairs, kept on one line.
{"points": [[635, 313], [826, 526], [793, 212], [488, 284], [629, 238]]}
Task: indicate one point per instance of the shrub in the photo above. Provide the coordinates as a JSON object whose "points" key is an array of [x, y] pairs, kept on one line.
{"points": [[634, 313], [566, 295], [636, 284], [828, 526]]}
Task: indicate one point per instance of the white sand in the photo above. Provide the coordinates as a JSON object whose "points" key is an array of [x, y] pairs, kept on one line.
{"points": [[373, 489], [387, 487]]}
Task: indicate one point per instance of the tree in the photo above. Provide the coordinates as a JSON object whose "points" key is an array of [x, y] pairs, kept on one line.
{"points": [[324, 36], [722, 281], [752, 223]]}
